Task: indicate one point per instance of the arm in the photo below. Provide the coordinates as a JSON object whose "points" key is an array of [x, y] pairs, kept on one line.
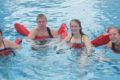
{"points": [[67, 38], [103, 59], [54, 33], [32, 34], [87, 43], [109, 44], [108, 59], [11, 44]]}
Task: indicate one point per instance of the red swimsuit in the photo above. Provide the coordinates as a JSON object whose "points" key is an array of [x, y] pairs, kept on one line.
{"points": [[5, 51], [45, 37]]}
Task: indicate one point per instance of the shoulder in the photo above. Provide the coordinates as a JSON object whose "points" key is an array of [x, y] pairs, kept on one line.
{"points": [[85, 37], [68, 37], [33, 33], [109, 44], [86, 40], [11, 44], [33, 30], [7, 42], [53, 30]]}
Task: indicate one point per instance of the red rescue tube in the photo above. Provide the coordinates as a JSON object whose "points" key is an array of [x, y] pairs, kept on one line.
{"points": [[21, 29], [62, 30], [101, 40], [18, 40]]}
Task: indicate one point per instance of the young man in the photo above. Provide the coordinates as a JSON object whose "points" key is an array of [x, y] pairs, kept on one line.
{"points": [[42, 31]]}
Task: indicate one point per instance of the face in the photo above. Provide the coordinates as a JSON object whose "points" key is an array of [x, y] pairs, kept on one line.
{"points": [[42, 22], [114, 35], [75, 28]]}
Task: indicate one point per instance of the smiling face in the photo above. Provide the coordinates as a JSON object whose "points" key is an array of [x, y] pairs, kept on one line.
{"points": [[114, 35], [75, 28]]}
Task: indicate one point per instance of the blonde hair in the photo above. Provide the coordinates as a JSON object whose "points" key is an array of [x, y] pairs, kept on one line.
{"points": [[41, 16], [114, 27]]}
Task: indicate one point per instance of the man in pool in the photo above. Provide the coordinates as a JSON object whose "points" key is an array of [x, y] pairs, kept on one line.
{"points": [[42, 31]]}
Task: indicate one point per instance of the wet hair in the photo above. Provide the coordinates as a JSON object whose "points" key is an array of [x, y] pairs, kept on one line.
{"points": [[41, 16], [114, 27], [79, 23]]}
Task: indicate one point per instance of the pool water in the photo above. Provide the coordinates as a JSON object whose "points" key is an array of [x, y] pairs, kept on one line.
{"points": [[56, 61]]}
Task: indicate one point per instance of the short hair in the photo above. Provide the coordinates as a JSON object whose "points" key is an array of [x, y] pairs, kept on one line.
{"points": [[41, 16], [114, 27]]}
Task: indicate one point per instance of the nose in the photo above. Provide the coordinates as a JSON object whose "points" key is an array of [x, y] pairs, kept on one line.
{"points": [[41, 23]]}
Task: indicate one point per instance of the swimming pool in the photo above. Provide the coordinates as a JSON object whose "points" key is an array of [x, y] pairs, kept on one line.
{"points": [[45, 64]]}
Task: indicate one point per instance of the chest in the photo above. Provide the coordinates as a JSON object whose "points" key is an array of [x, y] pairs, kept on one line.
{"points": [[42, 33], [76, 40]]}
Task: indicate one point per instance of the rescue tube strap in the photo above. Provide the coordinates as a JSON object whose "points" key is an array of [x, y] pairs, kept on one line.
{"points": [[49, 32]]}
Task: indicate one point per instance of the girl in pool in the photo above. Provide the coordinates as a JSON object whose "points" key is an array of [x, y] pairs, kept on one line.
{"points": [[114, 35], [114, 43], [77, 38], [6, 45]]}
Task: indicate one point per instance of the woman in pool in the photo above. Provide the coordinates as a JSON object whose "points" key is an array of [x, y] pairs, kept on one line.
{"points": [[78, 39], [114, 43], [114, 35], [6, 45]]}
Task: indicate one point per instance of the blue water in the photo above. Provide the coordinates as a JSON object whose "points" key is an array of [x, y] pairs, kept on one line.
{"points": [[28, 64]]}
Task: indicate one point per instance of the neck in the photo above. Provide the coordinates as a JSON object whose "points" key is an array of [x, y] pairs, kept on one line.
{"points": [[42, 29]]}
